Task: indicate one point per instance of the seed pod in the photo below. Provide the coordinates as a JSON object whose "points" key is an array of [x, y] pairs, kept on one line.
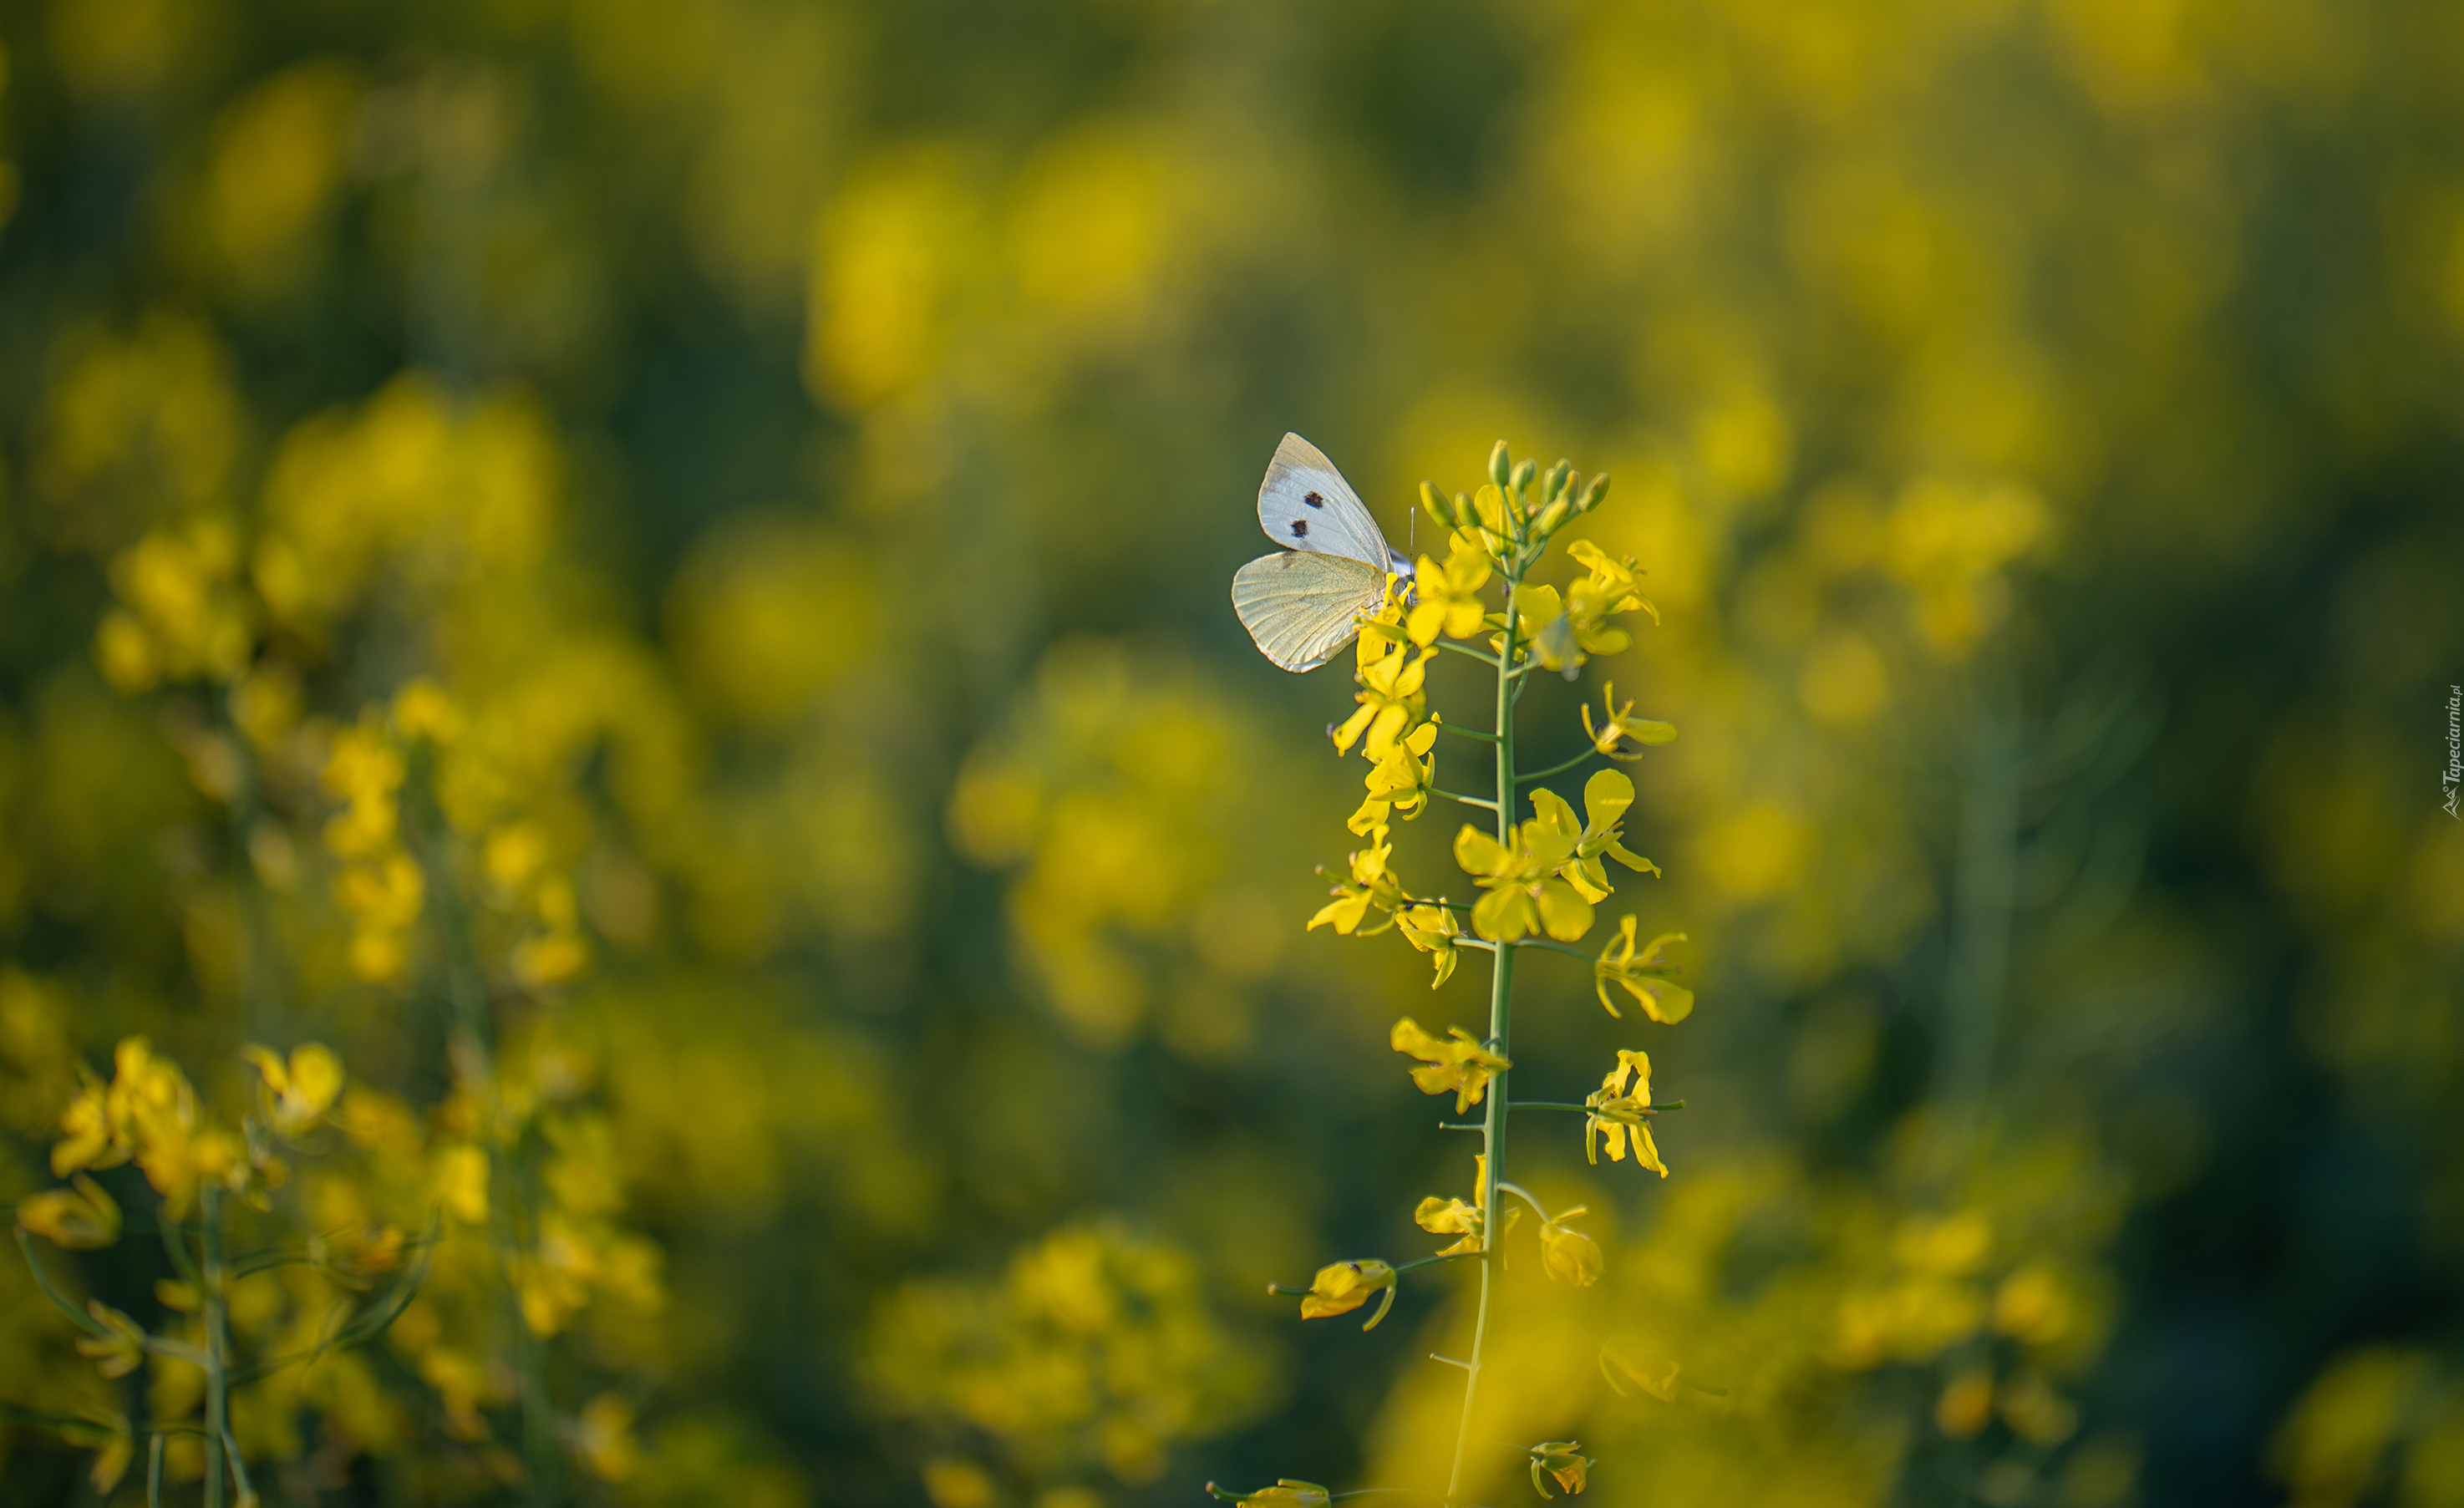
{"points": [[1501, 466]]}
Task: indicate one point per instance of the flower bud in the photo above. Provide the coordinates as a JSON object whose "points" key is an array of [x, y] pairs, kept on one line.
{"points": [[1433, 504], [1524, 471], [1551, 516], [1501, 466], [1554, 480], [1593, 494], [1466, 516], [78, 1218]]}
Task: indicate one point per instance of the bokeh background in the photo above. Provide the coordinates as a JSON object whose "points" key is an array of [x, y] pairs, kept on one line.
{"points": [[806, 446]]}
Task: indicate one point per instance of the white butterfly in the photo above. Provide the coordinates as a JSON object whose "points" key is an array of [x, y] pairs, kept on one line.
{"points": [[1301, 604]]}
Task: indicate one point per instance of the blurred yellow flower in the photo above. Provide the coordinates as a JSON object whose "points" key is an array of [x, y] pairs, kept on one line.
{"points": [[1642, 974], [121, 1352], [81, 1218], [1618, 1112], [1966, 1405], [298, 1093], [459, 1182], [602, 1436], [1633, 1364], [1568, 1253], [1462, 1065]]}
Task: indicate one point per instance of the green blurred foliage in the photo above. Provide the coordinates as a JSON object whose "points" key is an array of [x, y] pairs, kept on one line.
{"points": [[687, 544]]}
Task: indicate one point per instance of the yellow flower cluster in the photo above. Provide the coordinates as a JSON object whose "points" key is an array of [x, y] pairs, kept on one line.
{"points": [[1537, 879], [148, 1114], [182, 615], [1094, 1351]]}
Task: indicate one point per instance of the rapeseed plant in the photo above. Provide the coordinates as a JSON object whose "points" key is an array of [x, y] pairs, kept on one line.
{"points": [[1537, 881]]}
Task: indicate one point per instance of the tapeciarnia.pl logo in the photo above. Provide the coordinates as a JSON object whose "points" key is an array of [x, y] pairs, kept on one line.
{"points": [[2454, 774]]}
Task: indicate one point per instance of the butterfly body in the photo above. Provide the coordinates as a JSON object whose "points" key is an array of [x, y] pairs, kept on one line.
{"points": [[1303, 604]]}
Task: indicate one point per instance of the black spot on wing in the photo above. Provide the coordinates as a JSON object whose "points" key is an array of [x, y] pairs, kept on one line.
{"points": [[1300, 528], [1315, 500]]}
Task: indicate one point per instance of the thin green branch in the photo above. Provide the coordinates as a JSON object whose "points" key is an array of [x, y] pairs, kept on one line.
{"points": [[1482, 656], [1468, 800], [175, 1245], [1468, 732], [1524, 1194], [1431, 1262], [1558, 769], [59, 1300], [217, 1344], [1552, 946]]}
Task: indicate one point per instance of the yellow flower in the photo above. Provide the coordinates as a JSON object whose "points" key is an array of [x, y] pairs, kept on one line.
{"points": [[1449, 594], [1563, 632], [82, 1217], [105, 1431], [1619, 723], [118, 1352], [1606, 795], [603, 1438], [1568, 1253], [1391, 699], [1399, 783], [1611, 586], [96, 1137], [298, 1093], [1525, 893], [1624, 1362], [1642, 974], [364, 771], [1616, 1112], [1371, 887], [1433, 930], [1286, 1492], [1462, 1065], [1450, 1218], [1562, 1459], [1341, 1287], [420, 710]]}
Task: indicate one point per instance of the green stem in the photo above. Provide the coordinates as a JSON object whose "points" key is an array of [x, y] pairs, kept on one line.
{"points": [[1468, 800], [218, 1347], [1558, 769], [1468, 732], [1482, 656], [1501, 1022], [1554, 948], [43, 1281], [1432, 1261]]}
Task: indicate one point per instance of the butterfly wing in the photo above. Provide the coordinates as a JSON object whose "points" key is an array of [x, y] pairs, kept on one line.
{"points": [[1305, 504], [1300, 606]]}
